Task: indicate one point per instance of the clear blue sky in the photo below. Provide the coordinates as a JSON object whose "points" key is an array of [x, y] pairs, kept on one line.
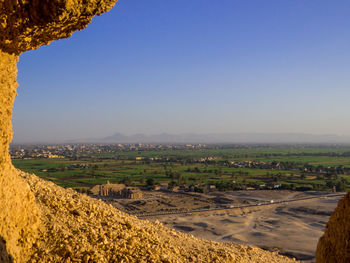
{"points": [[198, 66]]}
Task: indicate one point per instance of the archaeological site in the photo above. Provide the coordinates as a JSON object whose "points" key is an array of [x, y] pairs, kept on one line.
{"points": [[42, 222]]}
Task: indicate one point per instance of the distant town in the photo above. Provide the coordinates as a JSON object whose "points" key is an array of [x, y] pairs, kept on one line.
{"points": [[86, 150], [189, 167]]}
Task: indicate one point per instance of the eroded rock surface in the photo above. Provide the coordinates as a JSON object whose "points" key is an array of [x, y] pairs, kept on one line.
{"points": [[41, 222], [28, 24], [19, 215], [334, 245]]}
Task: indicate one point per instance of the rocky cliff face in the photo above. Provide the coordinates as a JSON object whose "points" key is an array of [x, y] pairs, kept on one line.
{"points": [[41, 222], [25, 25], [28, 24], [334, 245], [19, 215]]}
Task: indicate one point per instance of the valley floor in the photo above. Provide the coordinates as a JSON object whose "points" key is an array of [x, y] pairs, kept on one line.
{"points": [[292, 228]]}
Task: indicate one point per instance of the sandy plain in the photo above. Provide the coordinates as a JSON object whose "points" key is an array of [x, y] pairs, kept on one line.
{"points": [[291, 228]]}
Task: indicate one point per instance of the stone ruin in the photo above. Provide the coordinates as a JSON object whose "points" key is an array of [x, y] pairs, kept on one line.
{"points": [[41, 222], [117, 191]]}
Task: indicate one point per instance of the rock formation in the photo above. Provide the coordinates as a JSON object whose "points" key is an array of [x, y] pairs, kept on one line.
{"points": [[41, 222], [334, 245], [19, 214], [25, 25], [29, 24]]}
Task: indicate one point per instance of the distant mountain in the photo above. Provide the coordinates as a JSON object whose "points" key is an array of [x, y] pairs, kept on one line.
{"points": [[115, 137], [219, 138]]}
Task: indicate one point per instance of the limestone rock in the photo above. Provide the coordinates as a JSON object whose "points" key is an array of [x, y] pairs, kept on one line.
{"points": [[28, 24], [25, 25], [19, 215], [334, 245]]}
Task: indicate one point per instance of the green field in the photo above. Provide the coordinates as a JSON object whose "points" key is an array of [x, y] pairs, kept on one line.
{"points": [[182, 167]]}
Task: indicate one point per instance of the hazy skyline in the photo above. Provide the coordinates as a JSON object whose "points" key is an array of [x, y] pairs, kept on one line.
{"points": [[192, 67]]}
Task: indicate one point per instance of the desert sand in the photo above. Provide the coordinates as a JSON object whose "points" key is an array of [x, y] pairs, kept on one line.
{"points": [[293, 228]]}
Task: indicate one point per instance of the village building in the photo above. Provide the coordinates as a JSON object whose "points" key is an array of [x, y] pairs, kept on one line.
{"points": [[174, 188], [164, 186], [211, 187], [156, 187]]}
